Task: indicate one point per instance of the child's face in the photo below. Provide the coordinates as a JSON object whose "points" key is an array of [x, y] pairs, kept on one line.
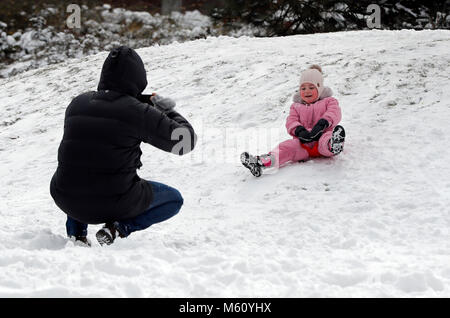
{"points": [[309, 92]]}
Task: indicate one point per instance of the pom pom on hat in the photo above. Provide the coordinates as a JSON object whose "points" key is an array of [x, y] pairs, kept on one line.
{"points": [[316, 67]]}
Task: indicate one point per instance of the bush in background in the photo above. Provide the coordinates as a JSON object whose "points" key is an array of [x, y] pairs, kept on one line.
{"points": [[43, 37], [287, 17]]}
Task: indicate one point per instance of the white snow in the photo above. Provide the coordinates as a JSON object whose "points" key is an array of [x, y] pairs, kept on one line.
{"points": [[373, 221]]}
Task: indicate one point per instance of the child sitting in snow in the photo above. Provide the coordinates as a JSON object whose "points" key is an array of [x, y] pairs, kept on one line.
{"points": [[313, 122]]}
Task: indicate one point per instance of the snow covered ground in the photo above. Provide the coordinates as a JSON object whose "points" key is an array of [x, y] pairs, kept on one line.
{"points": [[373, 221]]}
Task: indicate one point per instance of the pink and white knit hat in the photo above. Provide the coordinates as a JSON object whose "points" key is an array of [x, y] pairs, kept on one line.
{"points": [[313, 76]]}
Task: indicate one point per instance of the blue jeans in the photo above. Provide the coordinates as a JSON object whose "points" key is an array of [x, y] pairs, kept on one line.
{"points": [[167, 201]]}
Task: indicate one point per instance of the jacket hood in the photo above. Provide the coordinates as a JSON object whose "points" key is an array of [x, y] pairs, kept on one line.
{"points": [[123, 71], [327, 92]]}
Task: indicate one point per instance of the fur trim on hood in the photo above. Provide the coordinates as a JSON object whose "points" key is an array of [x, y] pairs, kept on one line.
{"points": [[327, 92]]}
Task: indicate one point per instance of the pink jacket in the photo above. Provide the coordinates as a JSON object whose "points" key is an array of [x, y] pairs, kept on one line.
{"points": [[307, 115]]}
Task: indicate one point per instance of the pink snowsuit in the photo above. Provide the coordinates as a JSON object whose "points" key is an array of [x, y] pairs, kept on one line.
{"points": [[307, 115]]}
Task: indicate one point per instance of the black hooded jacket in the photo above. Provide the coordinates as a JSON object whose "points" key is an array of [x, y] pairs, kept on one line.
{"points": [[96, 179]]}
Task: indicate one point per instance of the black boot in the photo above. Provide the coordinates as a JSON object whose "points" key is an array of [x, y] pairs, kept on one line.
{"points": [[336, 143], [252, 163], [108, 233], [80, 240]]}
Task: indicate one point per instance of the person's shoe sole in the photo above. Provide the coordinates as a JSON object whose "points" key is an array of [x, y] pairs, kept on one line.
{"points": [[245, 159], [253, 167], [337, 140], [103, 237]]}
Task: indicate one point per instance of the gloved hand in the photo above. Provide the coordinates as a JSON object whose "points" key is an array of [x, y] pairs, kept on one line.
{"points": [[302, 134], [318, 129], [163, 104]]}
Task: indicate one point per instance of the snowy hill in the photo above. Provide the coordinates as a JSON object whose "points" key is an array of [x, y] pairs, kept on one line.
{"points": [[373, 221]]}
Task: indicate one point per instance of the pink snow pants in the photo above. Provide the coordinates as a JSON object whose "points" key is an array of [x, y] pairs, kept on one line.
{"points": [[291, 150]]}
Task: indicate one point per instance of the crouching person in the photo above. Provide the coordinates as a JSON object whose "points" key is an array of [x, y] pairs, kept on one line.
{"points": [[96, 180]]}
